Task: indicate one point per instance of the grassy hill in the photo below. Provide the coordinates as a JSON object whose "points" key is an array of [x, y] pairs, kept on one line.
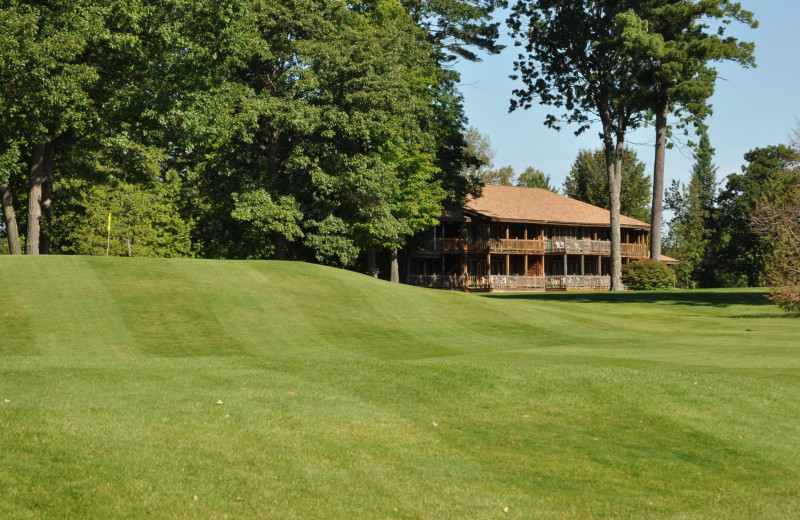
{"points": [[212, 389]]}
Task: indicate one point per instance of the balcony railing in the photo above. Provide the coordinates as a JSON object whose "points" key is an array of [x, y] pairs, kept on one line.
{"points": [[511, 282], [570, 246]]}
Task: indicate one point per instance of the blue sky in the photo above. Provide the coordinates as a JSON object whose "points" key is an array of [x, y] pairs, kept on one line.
{"points": [[752, 107]]}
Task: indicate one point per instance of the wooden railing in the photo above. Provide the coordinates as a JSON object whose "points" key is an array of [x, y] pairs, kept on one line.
{"points": [[555, 245], [580, 246], [442, 281], [637, 250], [549, 282], [510, 282]]}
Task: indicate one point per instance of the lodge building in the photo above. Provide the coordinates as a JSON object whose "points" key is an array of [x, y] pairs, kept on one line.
{"points": [[515, 238]]}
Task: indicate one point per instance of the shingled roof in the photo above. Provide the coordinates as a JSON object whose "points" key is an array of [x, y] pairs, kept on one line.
{"points": [[518, 204]]}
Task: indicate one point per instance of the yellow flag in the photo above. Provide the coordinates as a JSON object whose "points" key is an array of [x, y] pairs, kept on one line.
{"points": [[109, 222]]}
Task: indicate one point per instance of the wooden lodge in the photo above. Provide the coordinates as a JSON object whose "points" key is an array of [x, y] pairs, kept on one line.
{"points": [[518, 239]]}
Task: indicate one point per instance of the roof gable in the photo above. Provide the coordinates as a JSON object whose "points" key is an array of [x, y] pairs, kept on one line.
{"points": [[521, 204]]}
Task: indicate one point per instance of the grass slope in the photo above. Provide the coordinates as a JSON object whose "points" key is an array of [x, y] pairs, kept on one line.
{"points": [[347, 397]]}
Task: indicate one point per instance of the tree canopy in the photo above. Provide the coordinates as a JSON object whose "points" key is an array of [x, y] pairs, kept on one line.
{"points": [[673, 43], [738, 254], [587, 181], [313, 129], [573, 59], [534, 178], [691, 226]]}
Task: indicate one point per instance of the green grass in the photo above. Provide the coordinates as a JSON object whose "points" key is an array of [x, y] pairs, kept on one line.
{"points": [[347, 397]]}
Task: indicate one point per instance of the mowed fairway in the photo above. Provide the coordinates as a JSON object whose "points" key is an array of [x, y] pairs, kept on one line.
{"points": [[137, 388]]}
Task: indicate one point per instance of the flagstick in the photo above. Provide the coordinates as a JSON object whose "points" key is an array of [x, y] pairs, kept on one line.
{"points": [[108, 242]]}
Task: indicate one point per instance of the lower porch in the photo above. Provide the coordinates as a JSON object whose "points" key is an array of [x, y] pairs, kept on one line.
{"points": [[512, 282]]}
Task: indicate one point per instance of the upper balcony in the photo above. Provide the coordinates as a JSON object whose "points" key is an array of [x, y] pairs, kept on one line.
{"points": [[537, 246]]}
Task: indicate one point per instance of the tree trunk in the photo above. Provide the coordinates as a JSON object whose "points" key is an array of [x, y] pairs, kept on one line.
{"points": [[11, 220], [372, 268], [37, 179], [614, 188], [613, 152], [47, 200], [658, 182], [395, 271], [279, 242]]}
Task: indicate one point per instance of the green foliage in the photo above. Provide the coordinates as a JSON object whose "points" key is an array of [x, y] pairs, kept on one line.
{"points": [[534, 178], [674, 42], [270, 220], [341, 128], [144, 219], [740, 256], [503, 176], [458, 28], [691, 227], [340, 114], [572, 50], [647, 275], [479, 153], [588, 182], [776, 220], [573, 59]]}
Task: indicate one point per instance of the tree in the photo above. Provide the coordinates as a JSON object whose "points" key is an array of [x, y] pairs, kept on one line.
{"points": [[587, 181], [479, 153], [329, 123], [503, 176], [534, 178], [671, 41], [738, 254], [575, 60], [777, 219], [691, 226], [457, 27], [479, 164], [144, 219], [9, 163], [48, 76]]}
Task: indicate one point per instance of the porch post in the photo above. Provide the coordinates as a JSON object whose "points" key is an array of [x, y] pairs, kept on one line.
{"points": [[526, 259], [582, 265], [508, 264], [599, 265], [565, 264]]}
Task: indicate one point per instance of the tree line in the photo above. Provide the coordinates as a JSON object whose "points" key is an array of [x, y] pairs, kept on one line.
{"points": [[743, 231], [310, 129]]}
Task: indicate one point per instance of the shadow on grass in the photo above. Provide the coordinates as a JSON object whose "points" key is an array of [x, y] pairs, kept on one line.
{"points": [[705, 298]]}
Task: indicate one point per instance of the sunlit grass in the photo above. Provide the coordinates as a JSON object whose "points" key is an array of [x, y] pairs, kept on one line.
{"points": [[345, 397]]}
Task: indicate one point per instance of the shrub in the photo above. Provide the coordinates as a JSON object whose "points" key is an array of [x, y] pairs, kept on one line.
{"points": [[786, 298], [647, 274]]}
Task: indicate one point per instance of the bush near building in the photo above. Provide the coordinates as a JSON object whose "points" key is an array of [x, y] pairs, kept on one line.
{"points": [[647, 274]]}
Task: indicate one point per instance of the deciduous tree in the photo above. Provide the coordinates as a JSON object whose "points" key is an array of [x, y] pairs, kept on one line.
{"points": [[535, 178], [574, 59]]}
